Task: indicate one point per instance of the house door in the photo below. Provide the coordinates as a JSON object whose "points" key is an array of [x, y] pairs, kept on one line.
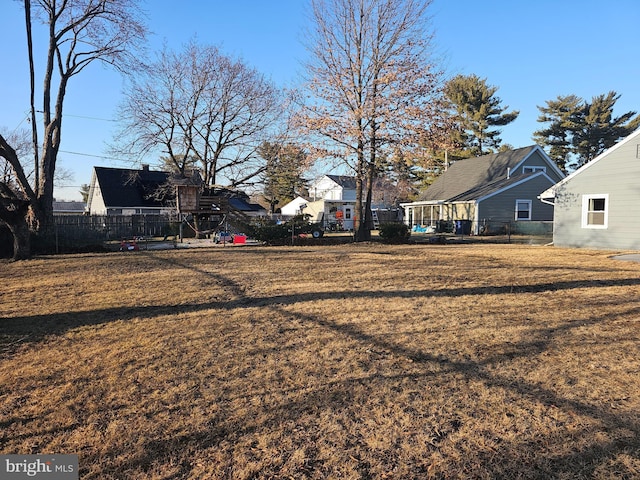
{"points": [[348, 218]]}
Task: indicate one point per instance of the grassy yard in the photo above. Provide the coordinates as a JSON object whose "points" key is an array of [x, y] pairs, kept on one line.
{"points": [[345, 362]]}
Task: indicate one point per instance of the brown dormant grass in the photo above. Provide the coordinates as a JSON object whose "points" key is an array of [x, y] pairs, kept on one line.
{"points": [[347, 362]]}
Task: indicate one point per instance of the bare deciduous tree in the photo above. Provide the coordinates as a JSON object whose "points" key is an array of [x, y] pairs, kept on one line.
{"points": [[200, 107], [79, 32], [373, 85]]}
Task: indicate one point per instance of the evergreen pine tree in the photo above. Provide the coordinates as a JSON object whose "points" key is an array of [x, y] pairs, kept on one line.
{"points": [[479, 111], [563, 116], [599, 129], [579, 131]]}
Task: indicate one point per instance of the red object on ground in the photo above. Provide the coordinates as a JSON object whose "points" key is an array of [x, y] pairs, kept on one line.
{"points": [[239, 239], [129, 246]]}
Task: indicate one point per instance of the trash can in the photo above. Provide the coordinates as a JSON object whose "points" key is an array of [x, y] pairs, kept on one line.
{"points": [[463, 227], [442, 226]]}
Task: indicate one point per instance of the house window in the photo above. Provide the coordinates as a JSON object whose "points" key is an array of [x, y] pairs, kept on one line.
{"points": [[595, 211], [347, 213], [523, 209], [533, 169]]}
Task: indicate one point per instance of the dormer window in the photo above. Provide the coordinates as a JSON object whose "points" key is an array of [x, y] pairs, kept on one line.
{"points": [[526, 170]]}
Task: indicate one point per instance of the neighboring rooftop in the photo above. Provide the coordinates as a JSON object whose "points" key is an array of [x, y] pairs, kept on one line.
{"points": [[468, 174], [68, 207], [123, 187], [345, 181]]}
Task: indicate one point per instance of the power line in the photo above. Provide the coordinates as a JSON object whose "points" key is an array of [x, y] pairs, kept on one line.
{"points": [[90, 118], [84, 116], [25, 118], [28, 119], [96, 156]]}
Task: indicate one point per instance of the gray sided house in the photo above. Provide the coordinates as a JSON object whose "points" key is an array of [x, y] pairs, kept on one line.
{"points": [[597, 205], [488, 193]]}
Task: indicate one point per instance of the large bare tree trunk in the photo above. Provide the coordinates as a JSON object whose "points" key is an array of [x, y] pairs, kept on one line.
{"points": [[21, 238], [79, 33], [14, 213]]}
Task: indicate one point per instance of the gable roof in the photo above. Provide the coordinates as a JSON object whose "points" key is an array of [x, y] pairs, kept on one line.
{"points": [[128, 188], [550, 193], [344, 181], [465, 176]]}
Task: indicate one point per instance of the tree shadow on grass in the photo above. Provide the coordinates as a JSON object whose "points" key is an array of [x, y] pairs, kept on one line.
{"points": [[333, 395], [294, 407], [19, 330], [582, 462]]}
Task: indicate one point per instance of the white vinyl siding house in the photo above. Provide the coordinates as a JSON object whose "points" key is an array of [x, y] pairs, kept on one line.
{"points": [[333, 187], [331, 202]]}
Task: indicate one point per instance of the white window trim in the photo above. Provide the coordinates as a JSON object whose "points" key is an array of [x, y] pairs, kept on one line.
{"points": [[530, 208], [585, 210]]}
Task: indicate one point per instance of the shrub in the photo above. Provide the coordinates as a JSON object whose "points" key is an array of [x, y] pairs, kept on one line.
{"points": [[394, 232], [266, 231], [269, 232]]}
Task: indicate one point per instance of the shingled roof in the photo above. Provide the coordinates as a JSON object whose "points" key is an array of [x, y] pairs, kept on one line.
{"points": [[127, 188], [344, 181], [475, 174], [487, 189]]}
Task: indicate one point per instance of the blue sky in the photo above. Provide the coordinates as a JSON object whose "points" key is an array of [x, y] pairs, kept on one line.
{"points": [[532, 50]]}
